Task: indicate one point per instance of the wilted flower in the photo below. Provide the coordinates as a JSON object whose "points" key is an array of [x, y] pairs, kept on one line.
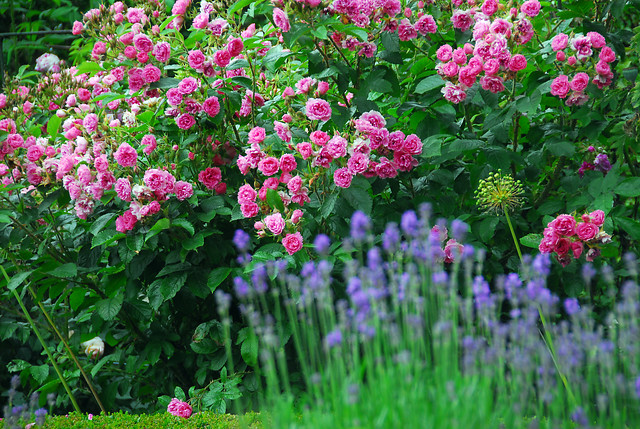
{"points": [[48, 63], [94, 348]]}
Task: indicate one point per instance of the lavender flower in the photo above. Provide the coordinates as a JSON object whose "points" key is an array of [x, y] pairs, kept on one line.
{"points": [[391, 238], [459, 230], [333, 338], [40, 413], [322, 243], [241, 287], [410, 224], [241, 240], [571, 306], [360, 225]]}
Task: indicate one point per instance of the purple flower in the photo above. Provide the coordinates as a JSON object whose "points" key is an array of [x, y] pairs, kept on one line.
{"points": [[542, 264], [223, 300], [360, 224], [241, 287], [440, 278], [459, 230], [602, 163], [241, 240], [322, 243], [391, 238], [409, 224], [588, 272], [638, 387], [579, 417], [333, 338], [572, 306]]}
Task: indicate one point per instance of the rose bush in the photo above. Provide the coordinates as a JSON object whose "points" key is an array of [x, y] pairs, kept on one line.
{"points": [[128, 172]]}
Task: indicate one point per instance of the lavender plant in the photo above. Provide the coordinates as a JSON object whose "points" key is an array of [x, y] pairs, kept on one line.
{"points": [[17, 412], [414, 341]]}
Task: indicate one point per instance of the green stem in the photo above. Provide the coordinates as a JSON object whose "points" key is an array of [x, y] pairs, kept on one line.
{"points": [[44, 345], [513, 234], [73, 356]]}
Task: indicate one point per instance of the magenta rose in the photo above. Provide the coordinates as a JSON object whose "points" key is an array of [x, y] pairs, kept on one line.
{"points": [[126, 222], [151, 73], [564, 224], [342, 177], [281, 20], [222, 58], [559, 42], [518, 62], [185, 121], [196, 59], [246, 194], [579, 81], [586, 231], [318, 109], [577, 247], [597, 217], [292, 243], [560, 86], [412, 145], [275, 223], [188, 85], [530, 8], [210, 177], [162, 51], [607, 54], [268, 166], [257, 135], [562, 246], [211, 106], [249, 210], [179, 408], [142, 43], [123, 189]]}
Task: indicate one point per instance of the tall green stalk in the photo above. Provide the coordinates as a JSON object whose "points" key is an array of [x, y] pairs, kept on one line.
{"points": [[513, 233], [44, 345]]}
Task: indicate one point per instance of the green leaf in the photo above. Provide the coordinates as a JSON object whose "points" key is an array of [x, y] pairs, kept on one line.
{"points": [[629, 226], [275, 58], [99, 224], [486, 228], [109, 308], [320, 32], [88, 67], [274, 200], [66, 270], [629, 187], [174, 268], [165, 83], [161, 224], [193, 242], [171, 285], [179, 393], [328, 206], [185, 224], [106, 237], [17, 279], [53, 125], [249, 349], [40, 373], [531, 240], [76, 298], [561, 148], [217, 276], [429, 83], [239, 5]]}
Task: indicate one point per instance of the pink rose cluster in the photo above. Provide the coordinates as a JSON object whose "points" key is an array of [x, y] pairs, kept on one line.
{"points": [[568, 239], [179, 408], [451, 251], [489, 59], [589, 60]]}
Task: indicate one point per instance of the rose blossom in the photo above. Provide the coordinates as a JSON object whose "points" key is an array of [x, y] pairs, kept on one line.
{"points": [[126, 221], [183, 190], [607, 54], [318, 109], [185, 121], [586, 231], [246, 194], [579, 81], [257, 135], [559, 42], [268, 166], [560, 86], [288, 163], [211, 106], [564, 224], [517, 62], [281, 20], [275, 223], [292, 243], [126, 156], [210, 177], [530, 8], [123, 189], [342, 177], [249, 210], [597, 217], [179, 408]]}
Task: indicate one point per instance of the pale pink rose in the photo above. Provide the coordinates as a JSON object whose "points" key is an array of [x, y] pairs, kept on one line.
{"points": [[283, 131], [586, 231], [342, 177], [281, 20], [176, 406], [201, 21], [492, 83], [90, 123], [275, 223], [453, 93], [210, 177], [318, 109], [183, 190], [126, 156], [296, 216], [292, 243]]}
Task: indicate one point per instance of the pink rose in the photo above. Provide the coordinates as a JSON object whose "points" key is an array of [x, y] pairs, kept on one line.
{"points": [[275, 223], [492, 83], [123, 189], [188, 85], [185, 121], [559, 42], [288, 163], [196, 59], [426, 24], [235, 47], [179, 408], [294, 184], [577, 247], [211, 106], [318, 109], [296, 216], [292, 243], [579, 81], [257, 135], [281, 20], [597, 217], [342, 177], [222, 58], [304, 149], [586, 231], [560, 86], [246, 194], [249, 210], [183, 190], [452, 250], [564, 224], [489, 7], [151, 73], [126, 222], [162, 51], [530, 8], [444, 53], [562, 246], [210, 177], [142, 43], [77, 28], [607, 55], [412, 145], [126, 156], [406, 30], [518, 62], [268, 166]]}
